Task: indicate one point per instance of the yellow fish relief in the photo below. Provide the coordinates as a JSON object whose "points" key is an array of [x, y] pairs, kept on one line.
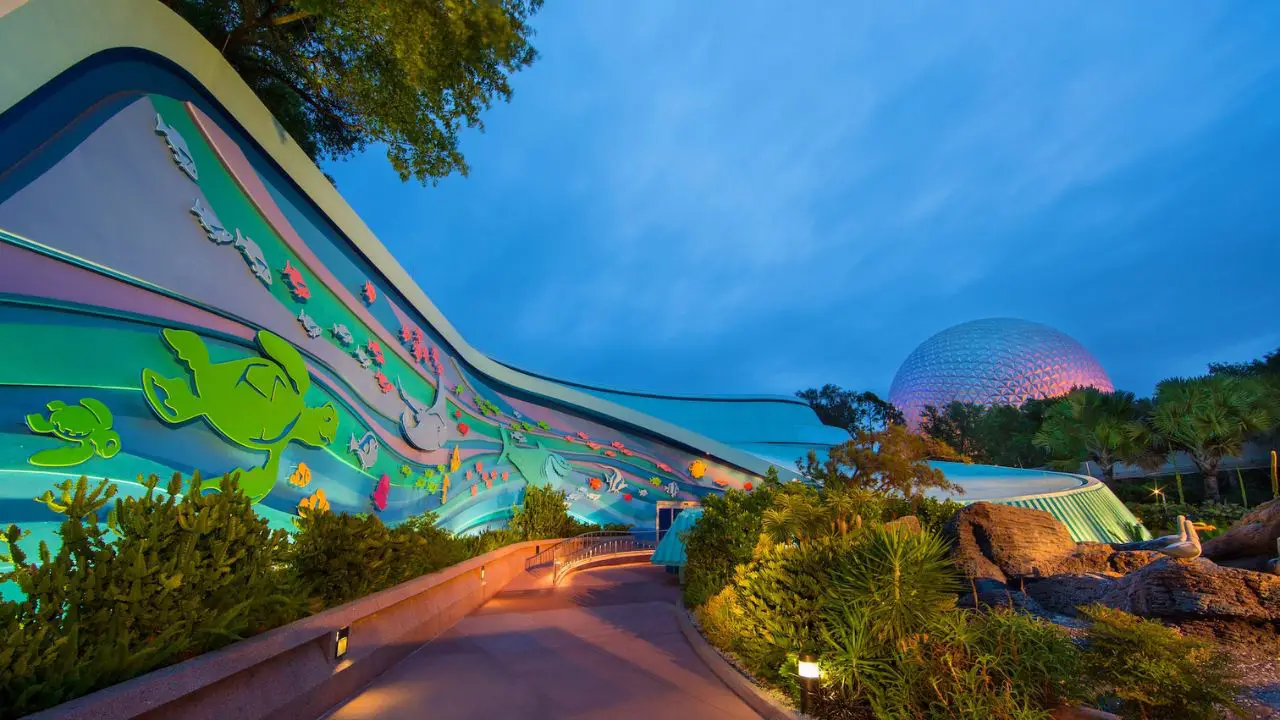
{"points": [[301, 475], [316, 502]]}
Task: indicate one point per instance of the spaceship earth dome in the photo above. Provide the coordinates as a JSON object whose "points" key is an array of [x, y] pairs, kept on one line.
{"points": [[996, 361]]}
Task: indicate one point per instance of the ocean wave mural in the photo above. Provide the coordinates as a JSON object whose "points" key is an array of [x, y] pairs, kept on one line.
{"points": [[172, 302]]}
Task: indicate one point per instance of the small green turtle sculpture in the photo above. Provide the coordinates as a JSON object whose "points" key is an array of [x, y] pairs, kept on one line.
{"points": [[87, 426], [255, 402]]}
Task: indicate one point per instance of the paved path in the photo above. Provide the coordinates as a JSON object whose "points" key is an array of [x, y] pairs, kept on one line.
{"points": [[604, 645]]}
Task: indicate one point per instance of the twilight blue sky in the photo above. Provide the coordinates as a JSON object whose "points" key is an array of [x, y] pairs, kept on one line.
{"points": [[734, 197]]}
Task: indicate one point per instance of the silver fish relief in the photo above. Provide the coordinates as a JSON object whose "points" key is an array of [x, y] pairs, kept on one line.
{"points": [[643, 492], [212, 226], [362, 357], [341, 333], [365, 449], [615, 480], [309, 326], [254, 257], [672, 489], [426, 428], [177, 147]]}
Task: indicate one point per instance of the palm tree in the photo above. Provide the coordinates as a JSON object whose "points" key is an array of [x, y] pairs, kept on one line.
{"points": [[1103, 427], [1210, 418]]}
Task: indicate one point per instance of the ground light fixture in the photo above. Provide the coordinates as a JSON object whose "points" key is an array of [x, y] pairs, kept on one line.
{"points": [[809, 672], [340, 642]]}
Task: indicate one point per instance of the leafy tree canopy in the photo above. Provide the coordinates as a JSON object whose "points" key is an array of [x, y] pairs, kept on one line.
{"points": [[851, 410], [1210, 418], [958, 425], [1268, 366], [341, 74], [1102, 427], [893, 462]]}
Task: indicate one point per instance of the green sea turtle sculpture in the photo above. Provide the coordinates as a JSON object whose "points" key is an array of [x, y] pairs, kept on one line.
{"points": [[87, 426], [255, 402]]}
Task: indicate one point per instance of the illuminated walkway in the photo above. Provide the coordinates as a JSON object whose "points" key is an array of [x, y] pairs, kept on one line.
{"points": [[604, 645]]}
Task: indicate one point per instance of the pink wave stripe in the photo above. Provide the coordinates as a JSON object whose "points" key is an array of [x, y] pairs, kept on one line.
{"points": [[242, 172]]}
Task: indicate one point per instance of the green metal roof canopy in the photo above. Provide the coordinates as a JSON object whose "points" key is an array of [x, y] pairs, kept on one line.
{"points": [[670, 551]]}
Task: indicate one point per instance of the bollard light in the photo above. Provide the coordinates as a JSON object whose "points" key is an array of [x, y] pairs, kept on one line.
{"points": [[809, 672], [340, 642]]}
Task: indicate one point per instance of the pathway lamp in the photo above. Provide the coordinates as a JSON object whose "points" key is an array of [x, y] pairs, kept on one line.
{"points": [[340, 642], [809, 672]]}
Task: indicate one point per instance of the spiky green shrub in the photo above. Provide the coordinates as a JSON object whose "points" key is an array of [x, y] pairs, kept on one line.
{"points": [[136, 584], [958, 664], [721, 619], [1153, 671], [900, 580]]}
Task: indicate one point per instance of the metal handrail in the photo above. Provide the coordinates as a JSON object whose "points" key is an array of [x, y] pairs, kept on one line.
{"points": [[601, 546], [547, 557]]}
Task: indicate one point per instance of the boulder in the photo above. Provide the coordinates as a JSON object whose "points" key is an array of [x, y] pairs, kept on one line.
{"points": [[1103, 558], [1253, 536], [1195, 589], [1062, 594], [1003, 542], [909, 523]]}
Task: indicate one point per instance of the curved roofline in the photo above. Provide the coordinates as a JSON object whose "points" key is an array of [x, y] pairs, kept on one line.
{"points": [[54, 36], [655, 395]]}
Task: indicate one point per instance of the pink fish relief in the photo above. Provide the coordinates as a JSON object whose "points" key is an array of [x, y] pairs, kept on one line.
{"points": [[297, 284], [406, 335], [375, 350], [383, 383], [380, 493], [369, 292], [419, 351]]}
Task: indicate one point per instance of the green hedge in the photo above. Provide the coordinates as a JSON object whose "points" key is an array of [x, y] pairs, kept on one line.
{"points": [[140, 583]]}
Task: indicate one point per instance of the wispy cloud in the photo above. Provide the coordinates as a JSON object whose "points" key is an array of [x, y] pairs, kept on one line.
{"points": [[678, 189]]}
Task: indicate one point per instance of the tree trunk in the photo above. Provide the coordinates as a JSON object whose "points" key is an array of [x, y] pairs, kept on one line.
{"points": [[1210, 471]]}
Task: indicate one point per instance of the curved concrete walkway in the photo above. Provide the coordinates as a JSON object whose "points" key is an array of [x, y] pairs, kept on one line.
{"points": [[605, 644]]}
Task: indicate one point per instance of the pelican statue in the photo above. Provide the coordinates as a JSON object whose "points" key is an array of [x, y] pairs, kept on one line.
{"points": [[1186, 545]]}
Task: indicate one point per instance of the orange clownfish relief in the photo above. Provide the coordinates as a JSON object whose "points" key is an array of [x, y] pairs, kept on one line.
{"points": [[369, 292]]}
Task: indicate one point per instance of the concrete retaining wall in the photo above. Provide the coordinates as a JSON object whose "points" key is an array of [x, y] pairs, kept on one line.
{"points": [[290, 672]]}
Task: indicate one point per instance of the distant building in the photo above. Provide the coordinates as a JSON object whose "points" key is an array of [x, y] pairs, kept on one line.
{"points": [[996, 361]]}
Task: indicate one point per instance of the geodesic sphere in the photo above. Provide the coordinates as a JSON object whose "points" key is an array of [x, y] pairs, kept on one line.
{"points": [[997, 361]]}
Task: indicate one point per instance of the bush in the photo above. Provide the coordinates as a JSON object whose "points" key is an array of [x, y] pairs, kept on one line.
{"points": [[338, 557], [542, 515], [931, 512], [1161, 519], [722, 539], [780, 597], [720, 618], [169, 576], [1153, 671]]}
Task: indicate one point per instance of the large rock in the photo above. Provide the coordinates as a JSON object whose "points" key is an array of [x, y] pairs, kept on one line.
{"points": [[1062, 594], [1195, 589], [1253, 536], [1002, 542], [1103, 558]]}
